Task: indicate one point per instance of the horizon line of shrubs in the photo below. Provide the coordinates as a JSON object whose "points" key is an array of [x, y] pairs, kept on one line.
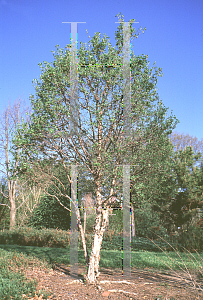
{"points": [[57, 238]]}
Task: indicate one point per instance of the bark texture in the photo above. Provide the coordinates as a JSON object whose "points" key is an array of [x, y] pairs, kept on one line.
{"points": [[11, 191], [93, 270]]}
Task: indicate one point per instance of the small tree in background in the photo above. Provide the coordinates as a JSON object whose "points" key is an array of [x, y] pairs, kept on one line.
{"points": [[180, 141], [4, 211], [9, 122], [189, 198]]}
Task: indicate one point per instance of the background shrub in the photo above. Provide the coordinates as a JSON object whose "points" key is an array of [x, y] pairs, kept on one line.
{"points": [[190, 239], [50, 214], [33, 237]]}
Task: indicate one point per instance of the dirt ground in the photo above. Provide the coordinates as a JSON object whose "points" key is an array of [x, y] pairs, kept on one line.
{"points": [[146, 284]]}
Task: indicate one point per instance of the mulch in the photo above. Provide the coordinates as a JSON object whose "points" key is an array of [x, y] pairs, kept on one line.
{"points": [[146, 284]]}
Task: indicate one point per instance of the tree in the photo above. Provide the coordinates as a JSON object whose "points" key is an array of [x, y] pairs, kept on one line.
{"points": [[48, 212], [187, 166], [97, 144], [4, 213], [10, 120], [189, 194], [153, 185], [162, 188], [31, 197], [181, 141]]}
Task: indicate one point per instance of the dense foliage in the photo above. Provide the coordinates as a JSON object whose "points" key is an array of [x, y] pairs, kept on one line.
{"points": [[50, 214]]}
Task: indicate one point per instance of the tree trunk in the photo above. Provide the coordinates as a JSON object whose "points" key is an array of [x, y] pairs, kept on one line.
{"points": [[11, 192], [93, 270], [85, 216], [12, 214], [82, 237], [133, 220]]}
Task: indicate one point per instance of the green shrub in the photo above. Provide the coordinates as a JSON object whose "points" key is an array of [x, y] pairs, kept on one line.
{"points": [[13, 283], [50, 214], [147, 224], [192, 239], [90, 222], [28, 236], [116, 221], [61, 239]]}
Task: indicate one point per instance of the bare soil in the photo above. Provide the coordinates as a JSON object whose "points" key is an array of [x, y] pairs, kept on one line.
{"points": [[146, 284]]}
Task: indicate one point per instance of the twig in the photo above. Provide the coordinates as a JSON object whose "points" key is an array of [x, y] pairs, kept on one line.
{"points": [[122, 291]]}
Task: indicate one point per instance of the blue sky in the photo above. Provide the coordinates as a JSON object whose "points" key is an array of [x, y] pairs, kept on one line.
{"points": [[29, 30]]}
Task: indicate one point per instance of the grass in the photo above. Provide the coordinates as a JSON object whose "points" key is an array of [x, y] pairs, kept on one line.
{"points": [[111, 258], [14, 259], [13, 283], [191, 266]]}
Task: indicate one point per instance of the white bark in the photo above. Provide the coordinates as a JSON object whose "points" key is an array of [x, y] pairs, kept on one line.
{"points": [[82, 234], [93, 270], [11, 192], [28, 199]]}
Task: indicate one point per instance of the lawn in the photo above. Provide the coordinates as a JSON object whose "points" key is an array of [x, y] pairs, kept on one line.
{"points": [[14, 259]]}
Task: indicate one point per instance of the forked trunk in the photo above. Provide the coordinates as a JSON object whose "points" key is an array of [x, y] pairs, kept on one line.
{"points": [[93, 270]]}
